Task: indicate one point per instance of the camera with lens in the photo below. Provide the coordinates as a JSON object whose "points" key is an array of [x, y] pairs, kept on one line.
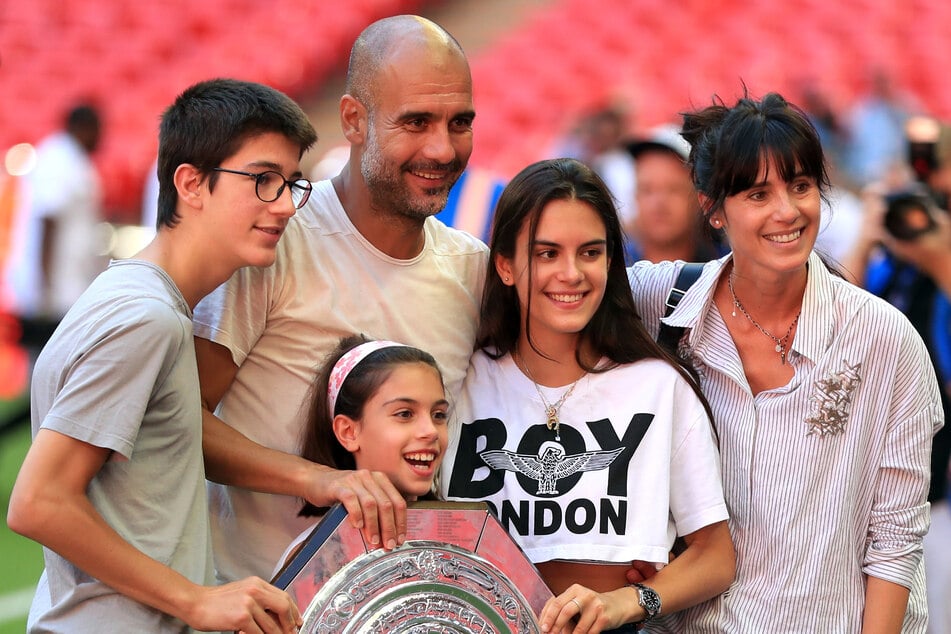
{"points": [[909, 214]]}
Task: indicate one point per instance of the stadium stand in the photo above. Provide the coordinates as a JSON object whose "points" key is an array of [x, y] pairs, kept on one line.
{"points": [[530, 85], [668, 56], [131, 59]]}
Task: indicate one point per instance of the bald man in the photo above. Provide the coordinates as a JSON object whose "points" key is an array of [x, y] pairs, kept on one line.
{"points": [[365, 255]]}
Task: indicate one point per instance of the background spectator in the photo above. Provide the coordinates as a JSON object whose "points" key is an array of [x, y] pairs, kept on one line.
{"points": [[667, 224], [57, 251], [909, 271], [597, 140], [876, 131]]}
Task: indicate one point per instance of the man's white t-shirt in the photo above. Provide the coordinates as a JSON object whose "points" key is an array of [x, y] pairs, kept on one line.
{"points": [[280, 322]]}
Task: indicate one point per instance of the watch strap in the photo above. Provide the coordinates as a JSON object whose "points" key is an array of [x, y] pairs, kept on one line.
{"points": [[647, 599]]}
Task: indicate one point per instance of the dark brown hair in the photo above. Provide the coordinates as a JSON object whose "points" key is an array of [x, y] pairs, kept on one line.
{"points": [[211, 121], [729, 144], [615, 331]]}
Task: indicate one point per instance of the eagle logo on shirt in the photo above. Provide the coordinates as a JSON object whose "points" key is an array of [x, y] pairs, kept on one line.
{"points": [[550, 465]]}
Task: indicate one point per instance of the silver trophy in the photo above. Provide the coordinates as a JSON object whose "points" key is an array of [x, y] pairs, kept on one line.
{"points": [[458, 571]]}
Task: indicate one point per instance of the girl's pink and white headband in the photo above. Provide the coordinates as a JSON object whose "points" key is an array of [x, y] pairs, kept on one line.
{"points": [[347, 363]]}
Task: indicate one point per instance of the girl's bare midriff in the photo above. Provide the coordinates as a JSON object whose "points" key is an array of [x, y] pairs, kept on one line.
{"points": [[560, 574]]}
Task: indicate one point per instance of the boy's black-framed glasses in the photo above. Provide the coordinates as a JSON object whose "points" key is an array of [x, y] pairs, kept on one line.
{"points": [[269, 185]]}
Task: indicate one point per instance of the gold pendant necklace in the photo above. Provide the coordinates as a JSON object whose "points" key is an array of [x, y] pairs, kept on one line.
{"points": [[782, 345], [552, 410]]}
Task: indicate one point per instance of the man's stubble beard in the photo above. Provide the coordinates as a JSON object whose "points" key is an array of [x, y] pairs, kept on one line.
{"points": [[390, 193]]}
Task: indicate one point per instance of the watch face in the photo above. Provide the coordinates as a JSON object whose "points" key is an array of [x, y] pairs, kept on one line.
{"points": [[649, 600]]}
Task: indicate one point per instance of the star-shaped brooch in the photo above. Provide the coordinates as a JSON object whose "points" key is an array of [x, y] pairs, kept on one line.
{"points": [[832, 401]]}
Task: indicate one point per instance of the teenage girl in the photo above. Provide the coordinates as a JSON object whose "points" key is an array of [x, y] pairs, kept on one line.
{"points": [[591, 443]]}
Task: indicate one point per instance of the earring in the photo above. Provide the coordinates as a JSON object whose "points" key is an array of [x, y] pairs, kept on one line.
{"points": [[715, 222]]}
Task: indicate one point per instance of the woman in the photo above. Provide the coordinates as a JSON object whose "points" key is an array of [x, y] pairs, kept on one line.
{"points": [[825, 402], [593, 445]]}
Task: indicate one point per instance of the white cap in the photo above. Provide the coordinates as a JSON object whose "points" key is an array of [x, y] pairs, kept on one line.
{"points": [[665, 137]]}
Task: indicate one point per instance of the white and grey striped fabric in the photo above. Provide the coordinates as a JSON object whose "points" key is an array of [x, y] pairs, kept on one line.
{"points": [[826, 478]]}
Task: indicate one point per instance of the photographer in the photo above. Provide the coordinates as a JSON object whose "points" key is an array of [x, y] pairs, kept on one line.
{"points": [[903, 254], [930, 253]]}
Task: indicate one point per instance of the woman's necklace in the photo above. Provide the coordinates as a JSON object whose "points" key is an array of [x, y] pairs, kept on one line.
{"points": [[552, 410], [782, 345]]}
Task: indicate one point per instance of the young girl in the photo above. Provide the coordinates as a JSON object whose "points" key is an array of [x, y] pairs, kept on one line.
{"points": [[592, 445], [379, 406]]}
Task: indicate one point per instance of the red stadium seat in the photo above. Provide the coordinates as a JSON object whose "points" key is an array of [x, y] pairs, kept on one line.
{"points": [[133, 58], [532, 83]]}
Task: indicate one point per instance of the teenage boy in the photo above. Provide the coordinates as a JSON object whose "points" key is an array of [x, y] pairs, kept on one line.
{"points": [[114, 483]]}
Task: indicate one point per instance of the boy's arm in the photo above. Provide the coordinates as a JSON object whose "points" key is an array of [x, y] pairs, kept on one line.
{"points": [[231, 458], [49, 505]]}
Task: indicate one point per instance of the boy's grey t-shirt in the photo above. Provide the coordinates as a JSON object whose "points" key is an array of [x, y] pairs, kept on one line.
{"points": [[120, 373]]}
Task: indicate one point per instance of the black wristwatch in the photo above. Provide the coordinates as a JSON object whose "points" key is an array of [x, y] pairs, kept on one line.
{"points": [[648, 600]]}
